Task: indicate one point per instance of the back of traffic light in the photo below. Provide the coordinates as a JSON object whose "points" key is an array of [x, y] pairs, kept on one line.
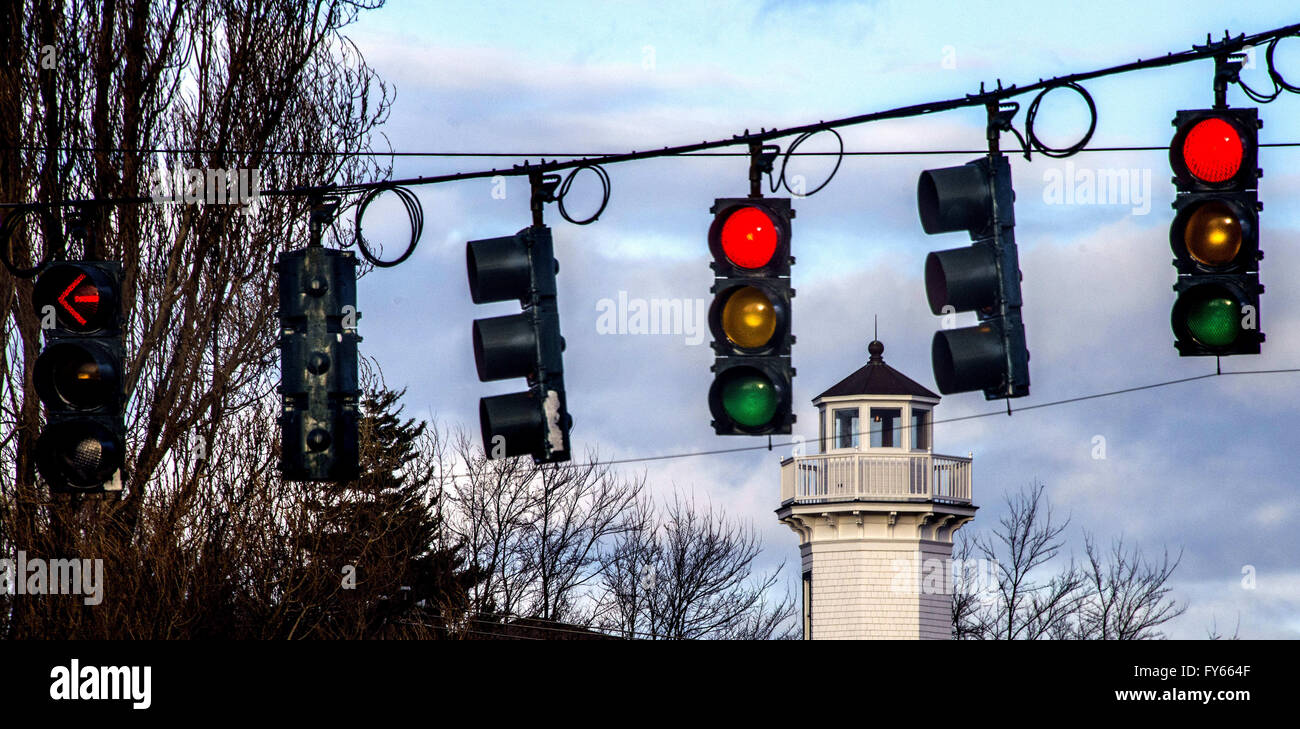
{"points": [[983, 277], [1215, 232], [319, 389], [536, 421], [750, 316], [79, 376]]}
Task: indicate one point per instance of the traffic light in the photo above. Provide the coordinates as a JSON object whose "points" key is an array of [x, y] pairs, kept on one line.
{"points": [[535, 422], [79, 376], [750, 316], [1215, 233], [983, 277], [318, 365]]}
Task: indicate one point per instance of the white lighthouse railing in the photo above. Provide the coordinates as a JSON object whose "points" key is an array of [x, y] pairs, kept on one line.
{"points": [[875, 476]]}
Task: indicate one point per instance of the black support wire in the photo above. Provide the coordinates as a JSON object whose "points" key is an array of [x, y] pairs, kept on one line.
{"points": [[982, 98], [575, 155], [999, 98], [1228, 45], [905, 427]]}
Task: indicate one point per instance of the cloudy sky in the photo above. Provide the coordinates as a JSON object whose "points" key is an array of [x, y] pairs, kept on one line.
{"points": [[1207, 468]]}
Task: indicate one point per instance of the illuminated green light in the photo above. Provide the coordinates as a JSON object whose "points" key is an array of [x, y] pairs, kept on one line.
{"points": [[1213, 318], [749, 399]]}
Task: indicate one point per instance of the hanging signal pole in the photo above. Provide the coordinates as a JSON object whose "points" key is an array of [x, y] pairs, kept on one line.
{"points": [[79, 374], [749, 240], [318, 357], [1215, 232], [522, 266], [984, 277]]}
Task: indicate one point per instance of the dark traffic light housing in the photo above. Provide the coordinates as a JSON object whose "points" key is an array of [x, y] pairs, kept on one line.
{"points": [[752, 389], [983, 277], [79, 376], [536, 421], [1215, 232], [318, 365]]}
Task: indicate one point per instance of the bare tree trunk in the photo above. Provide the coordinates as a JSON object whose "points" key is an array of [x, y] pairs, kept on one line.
{"points": [[88, 88]]}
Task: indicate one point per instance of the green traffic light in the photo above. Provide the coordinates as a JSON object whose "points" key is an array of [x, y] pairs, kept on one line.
{"points": [[749, 399], [1213, 319]]}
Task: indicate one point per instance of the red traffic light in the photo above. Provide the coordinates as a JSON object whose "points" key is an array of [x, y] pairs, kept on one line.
{"points": [[749, 238], [80, 300], [81, 295], [1213, 150]]}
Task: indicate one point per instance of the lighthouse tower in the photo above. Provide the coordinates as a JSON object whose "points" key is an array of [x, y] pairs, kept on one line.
{"points": [[876, 510]]}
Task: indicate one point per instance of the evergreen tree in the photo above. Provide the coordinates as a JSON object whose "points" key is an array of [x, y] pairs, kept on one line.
{"points": [[381, 565]]}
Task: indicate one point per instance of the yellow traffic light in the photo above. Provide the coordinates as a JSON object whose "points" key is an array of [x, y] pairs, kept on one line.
{"points": [[1213, 234], [748, 318]]}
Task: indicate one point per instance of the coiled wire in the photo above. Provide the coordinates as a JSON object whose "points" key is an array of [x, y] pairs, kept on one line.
{"points": [[568, 182], [12, 220], [414, 212]]}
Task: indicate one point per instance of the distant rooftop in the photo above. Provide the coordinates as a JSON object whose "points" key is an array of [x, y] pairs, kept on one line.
{"points": [[877, 378]]}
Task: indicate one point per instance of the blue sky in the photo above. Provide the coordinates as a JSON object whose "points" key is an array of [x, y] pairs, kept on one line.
{"points": [[1206, 467]]}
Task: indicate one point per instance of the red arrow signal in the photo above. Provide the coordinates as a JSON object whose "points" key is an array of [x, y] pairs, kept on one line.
{"points": [[83, 295]]}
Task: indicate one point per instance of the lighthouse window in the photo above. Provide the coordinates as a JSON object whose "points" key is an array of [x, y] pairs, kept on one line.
{"points": [[884, 422], [846, 428], [920, 436]]}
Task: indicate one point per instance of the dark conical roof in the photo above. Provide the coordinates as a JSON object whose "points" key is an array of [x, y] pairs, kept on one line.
{"points": [[877, 378]]}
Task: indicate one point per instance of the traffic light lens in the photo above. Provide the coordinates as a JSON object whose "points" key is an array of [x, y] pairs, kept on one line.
{"points": [[86, 455], [1213, 316], [749, 399], [749, 238], [1213, 234], [77, 376], [79, 379], [748, 318], [75, 293], [1213, 150], [82, 454]]}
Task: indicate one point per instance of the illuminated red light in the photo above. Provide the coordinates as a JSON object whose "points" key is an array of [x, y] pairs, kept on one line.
{"points": [[1213, 150], [749, 238], [84, 297]]}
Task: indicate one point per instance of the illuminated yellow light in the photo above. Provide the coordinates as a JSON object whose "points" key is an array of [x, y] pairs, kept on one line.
{"points": [[748, 318], [1213, 234]]}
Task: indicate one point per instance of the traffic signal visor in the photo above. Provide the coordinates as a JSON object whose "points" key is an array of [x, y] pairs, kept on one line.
{"points": [[499, 269], [955, 198]]}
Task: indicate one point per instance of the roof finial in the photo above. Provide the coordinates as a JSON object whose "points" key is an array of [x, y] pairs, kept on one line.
{"points": [[875, 348]]}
